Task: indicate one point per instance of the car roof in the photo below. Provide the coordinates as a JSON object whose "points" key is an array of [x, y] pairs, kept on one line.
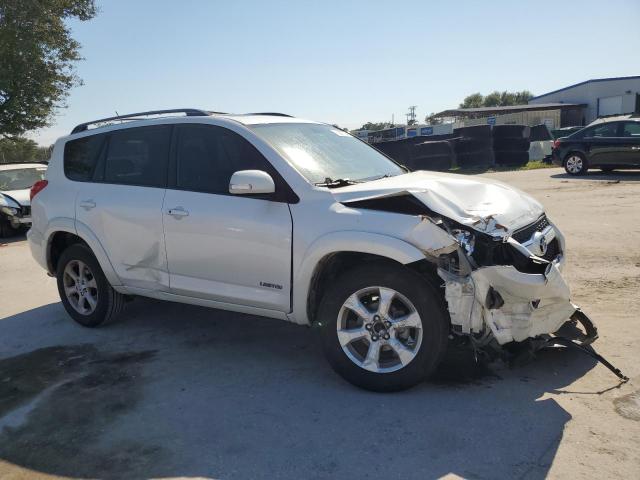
{"points": [[189, 115], [15, 166], [616, 118]]}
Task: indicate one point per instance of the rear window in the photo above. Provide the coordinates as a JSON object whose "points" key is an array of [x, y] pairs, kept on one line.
{"points": [[138, 156], [81, 157]]}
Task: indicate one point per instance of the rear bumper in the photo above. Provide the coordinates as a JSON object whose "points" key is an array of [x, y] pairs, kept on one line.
{"points": [[37, 247], [555, 158]]}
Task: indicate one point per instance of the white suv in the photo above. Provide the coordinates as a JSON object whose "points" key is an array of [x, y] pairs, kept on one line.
{"points": [[292, 219]]}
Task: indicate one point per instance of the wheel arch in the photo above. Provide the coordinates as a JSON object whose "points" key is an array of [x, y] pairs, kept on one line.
{"points": [[63, 234], [335, 252]]}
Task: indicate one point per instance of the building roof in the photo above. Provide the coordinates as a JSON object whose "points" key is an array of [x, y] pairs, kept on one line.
{"points": [[635, 77], [462, 112]]}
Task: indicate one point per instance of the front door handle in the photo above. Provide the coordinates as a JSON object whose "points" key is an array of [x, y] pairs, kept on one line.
{"points": [[178, 212], [87, 204]]}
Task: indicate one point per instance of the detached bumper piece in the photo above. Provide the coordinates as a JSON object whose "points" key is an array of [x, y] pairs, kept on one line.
{"points": [[583, 343]]}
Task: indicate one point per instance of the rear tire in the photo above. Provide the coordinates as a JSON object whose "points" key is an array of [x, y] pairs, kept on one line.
{"points": [[576, 164], [85, 292], [389, 345]]}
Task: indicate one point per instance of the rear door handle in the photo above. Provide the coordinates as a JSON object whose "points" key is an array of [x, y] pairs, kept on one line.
{"points": [[87, 204], [178, 212]]}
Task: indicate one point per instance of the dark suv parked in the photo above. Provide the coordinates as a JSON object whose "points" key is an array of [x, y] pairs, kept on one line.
{"points": [[607, 146]]}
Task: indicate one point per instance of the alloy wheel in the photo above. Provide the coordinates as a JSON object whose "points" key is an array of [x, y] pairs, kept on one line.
{"points": [[80, 287], [379, 329], [574, 164]]}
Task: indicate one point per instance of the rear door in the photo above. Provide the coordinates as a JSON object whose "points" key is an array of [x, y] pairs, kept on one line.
{"points": [[604, 144], [631, 137], [229, 248], [122, 203]]}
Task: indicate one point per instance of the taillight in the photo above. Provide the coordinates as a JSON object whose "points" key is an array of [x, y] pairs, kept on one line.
{"points": [[556, 143], [37, 187]]}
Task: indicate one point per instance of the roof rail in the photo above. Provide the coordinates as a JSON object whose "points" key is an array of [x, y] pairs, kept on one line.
{"points": [[273, 114], [189, 112]]}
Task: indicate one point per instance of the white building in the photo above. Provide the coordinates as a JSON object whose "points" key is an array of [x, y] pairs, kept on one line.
{"points": [[602, 97]]}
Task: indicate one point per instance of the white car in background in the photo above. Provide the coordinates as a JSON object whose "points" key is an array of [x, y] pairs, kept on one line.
{"points": [[15, 205], [541, 143]]}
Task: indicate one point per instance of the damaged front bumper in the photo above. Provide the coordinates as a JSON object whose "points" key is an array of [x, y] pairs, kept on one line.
{"points": [[505, 304]]}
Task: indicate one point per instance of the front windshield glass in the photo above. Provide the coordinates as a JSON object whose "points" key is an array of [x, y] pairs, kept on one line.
{"points": [[321, 152], [20, 178]]}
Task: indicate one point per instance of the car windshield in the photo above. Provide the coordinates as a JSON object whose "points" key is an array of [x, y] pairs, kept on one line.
{"points": [[20, 178], [322, 153]]}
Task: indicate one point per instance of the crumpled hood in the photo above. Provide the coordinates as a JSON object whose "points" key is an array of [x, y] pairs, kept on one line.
{"points": [[483, 204], [20, 196]]}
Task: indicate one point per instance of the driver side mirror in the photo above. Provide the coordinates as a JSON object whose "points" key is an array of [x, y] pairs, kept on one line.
{"points": [[251, 182]]}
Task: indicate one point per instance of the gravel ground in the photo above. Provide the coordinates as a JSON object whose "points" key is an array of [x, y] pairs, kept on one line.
{"points": [[181, 391]]}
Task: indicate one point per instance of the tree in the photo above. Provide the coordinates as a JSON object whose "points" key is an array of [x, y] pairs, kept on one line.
{"points": [[497, 99], [472, 101], [431, 119], [376, 126], [37, 55], [19, 149]]}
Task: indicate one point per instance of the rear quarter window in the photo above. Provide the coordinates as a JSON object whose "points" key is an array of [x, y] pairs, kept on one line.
{"points": [[81, 157]]}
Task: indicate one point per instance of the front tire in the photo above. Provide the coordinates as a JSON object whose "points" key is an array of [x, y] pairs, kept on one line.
{"points": [[384, 328], [576, 164], [85, 292]]}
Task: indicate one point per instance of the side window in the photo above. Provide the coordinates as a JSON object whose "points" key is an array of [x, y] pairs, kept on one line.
{"points": [[207, 156], [138, 156], [605, 130], [81, 157], [631, 129]]}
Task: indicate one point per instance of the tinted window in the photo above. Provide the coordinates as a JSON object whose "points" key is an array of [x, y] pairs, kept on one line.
{"points": [[207, 156], [631, 129], [81, 157], [138, 156], [604, 130]]}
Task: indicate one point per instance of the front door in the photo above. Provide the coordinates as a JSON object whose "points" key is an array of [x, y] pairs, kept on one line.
{"points": [[223, 247]]}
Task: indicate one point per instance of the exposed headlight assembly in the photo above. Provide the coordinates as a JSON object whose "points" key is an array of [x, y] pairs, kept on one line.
{"points": [[465, 239], [12, 212]]}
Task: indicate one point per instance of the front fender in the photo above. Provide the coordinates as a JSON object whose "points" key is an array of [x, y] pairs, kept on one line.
{"points": [[344, 241]]}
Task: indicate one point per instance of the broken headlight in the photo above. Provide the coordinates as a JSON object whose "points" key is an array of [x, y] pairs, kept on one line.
{"points": [[12, 212], [466, 240]]}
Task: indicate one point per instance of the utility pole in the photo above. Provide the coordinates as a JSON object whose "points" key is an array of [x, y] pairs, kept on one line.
{"points": [[411, 115]]}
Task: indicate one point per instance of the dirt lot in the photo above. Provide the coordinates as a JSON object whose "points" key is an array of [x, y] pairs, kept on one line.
{"points": [[181, 391]]}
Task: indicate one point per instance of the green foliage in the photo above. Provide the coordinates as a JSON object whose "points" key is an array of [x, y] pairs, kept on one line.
{"points": [[475, 100], [431, 119], [20, 149], [497, 99], [37, 56]]}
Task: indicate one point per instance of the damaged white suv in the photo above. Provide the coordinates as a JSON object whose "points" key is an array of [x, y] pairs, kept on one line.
{"points": [[297, 220]]}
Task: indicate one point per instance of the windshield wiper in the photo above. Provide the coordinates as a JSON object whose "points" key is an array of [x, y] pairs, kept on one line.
{"points": [[337, 183]]}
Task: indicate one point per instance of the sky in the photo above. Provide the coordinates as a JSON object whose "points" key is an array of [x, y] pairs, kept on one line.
{"points": [[342, 62]]}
